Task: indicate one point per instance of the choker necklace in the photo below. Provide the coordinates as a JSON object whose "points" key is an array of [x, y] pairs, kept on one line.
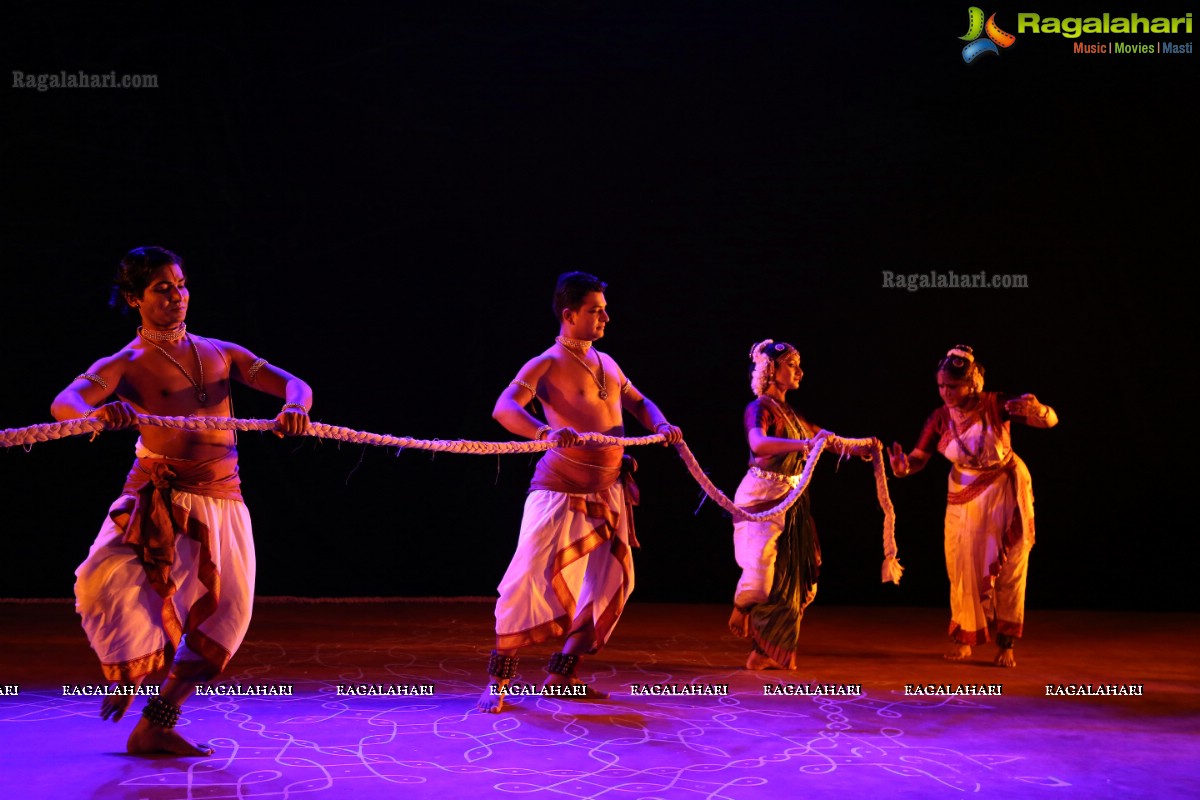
{"points": [[599, 381], [201, 395], [173, 335], [581, 345]]}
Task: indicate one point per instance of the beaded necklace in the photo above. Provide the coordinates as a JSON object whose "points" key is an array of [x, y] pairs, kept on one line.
{"points": [[173, 335], [582, 345]]}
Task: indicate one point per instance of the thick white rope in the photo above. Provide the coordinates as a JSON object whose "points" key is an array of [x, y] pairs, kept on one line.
{"points": [[892, 570], [57, 430], [49, 431]]}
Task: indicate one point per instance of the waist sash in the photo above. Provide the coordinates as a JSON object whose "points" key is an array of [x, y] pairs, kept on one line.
{"points": [[556, 472], [154, 521]]}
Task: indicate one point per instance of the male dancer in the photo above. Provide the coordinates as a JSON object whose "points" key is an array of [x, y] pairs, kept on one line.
{"points": [[174, 560], [573, 568]]}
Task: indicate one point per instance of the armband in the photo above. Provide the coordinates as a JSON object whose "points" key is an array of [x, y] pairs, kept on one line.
{"points": [[96, 379], [252, 373]]}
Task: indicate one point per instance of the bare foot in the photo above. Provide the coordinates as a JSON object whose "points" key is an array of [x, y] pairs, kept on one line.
{"points": [[958, 652], [114, 706], [758, 660], [1005, 658], [739, 623], [588, 692], [492, 699], [147, 739]]}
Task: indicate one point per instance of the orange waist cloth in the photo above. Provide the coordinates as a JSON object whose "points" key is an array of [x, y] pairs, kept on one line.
{"points": [[556, 472], [154, 521]]}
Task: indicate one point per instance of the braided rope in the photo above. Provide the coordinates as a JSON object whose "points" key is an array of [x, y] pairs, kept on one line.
{"points": [[49, 431], [73, 427], [891, 570]]}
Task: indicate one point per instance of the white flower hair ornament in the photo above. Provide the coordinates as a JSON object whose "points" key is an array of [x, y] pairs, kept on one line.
{"points": [[760, 378], [764, 354]]}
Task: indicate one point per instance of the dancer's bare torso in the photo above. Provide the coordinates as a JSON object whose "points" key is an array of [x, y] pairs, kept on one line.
{"points": [[154, 385], [571, 398]]}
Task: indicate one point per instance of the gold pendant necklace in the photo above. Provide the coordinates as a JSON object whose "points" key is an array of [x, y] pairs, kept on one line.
{"points": [[599, 381], [198, 386]]}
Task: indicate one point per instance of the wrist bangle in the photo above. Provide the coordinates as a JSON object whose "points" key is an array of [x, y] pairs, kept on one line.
{"points": [[542, 431], [87, 414], [297, 406], [660, 425]]}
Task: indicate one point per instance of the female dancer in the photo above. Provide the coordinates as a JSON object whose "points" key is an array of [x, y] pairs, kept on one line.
{"points": [[780, 557], [989, 511]]}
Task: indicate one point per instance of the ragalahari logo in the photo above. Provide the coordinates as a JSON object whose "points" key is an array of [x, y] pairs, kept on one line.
{"points": [[976, 27]]}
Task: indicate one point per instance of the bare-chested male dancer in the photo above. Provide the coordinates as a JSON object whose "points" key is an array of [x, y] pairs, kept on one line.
{"points": [[174, 561], [573, 568]]}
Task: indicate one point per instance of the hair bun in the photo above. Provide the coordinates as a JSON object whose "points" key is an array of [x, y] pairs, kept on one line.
{"points": [[961, 351]]}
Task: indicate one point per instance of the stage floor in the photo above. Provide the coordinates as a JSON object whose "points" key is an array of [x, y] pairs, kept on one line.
{"points": [[745, 744]]}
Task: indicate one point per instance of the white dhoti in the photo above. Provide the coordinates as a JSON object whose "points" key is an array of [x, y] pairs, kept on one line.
{"points": [[573, 558], [202, 608]]}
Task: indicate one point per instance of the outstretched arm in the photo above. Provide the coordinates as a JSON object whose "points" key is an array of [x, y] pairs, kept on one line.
{"points": [[85, 396], [764, 446], [260, 374], [864, 451], [905, 465], [510, 412], [1036, 414], [644, 410], [510, 407]]}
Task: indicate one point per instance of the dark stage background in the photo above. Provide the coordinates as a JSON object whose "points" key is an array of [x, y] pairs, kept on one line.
{"points": [[380, 199]]}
